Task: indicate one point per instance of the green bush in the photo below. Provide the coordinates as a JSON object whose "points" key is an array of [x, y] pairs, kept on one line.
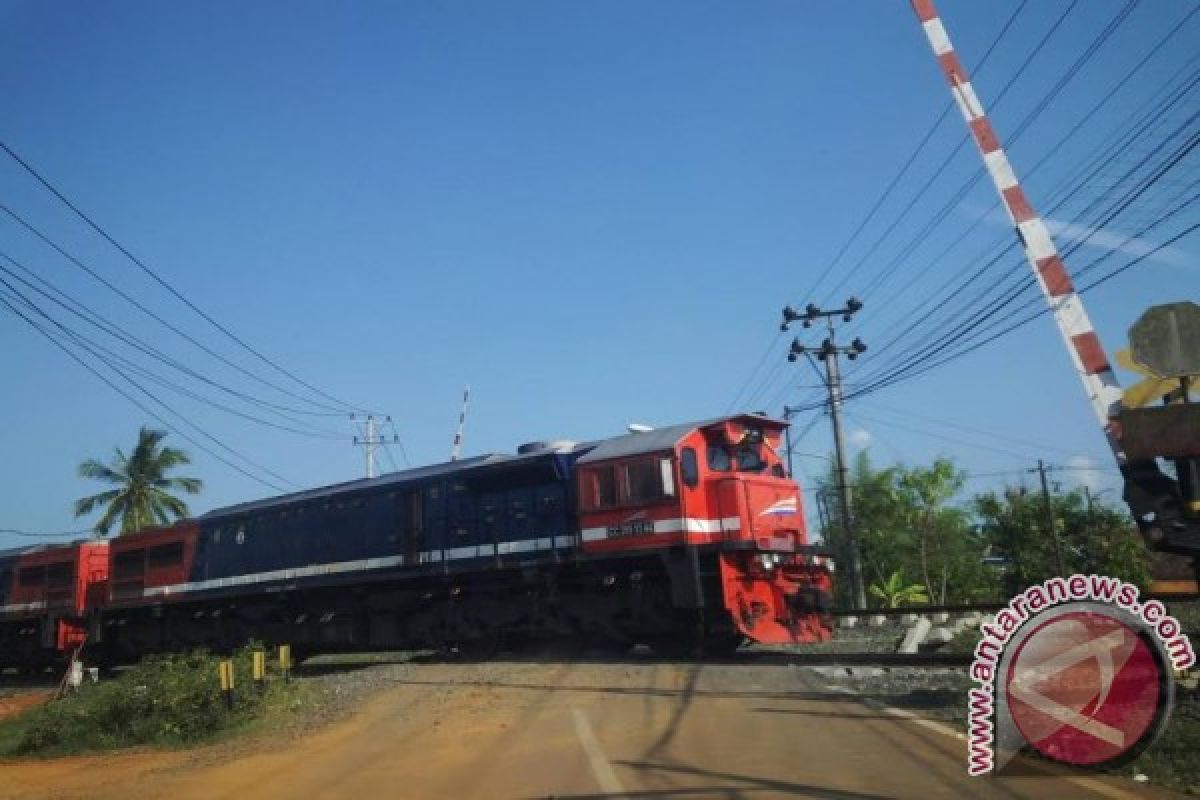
{"points": [[167, 700]]}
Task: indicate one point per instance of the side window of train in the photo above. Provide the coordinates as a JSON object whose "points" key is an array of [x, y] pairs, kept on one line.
{"points": [[749, 459], [649, 479], [718, 459], [689, 467], [31, 576], [605, 487]]}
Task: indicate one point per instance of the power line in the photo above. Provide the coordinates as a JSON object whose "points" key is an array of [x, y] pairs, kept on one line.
{"points": [[940, 215], [944, 437], [876, 405], [145, 409], [163, 283], [83, 312], [1091, 165], [973, 319], [45, 534], [917, 369], [875, 207], [158, 318]]}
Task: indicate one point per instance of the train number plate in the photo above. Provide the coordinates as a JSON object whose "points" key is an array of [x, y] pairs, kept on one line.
{"points": [[637, 527]]}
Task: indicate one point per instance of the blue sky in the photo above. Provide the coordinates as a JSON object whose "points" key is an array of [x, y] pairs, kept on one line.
{"points": [[591, 212]]}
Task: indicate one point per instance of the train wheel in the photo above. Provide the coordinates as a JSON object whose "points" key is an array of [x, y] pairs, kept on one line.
{"points": [[676, 646], [480, 648], [724, 645]]}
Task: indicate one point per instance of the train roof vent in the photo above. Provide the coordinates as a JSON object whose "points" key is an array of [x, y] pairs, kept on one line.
{"points": [[551, 445]]}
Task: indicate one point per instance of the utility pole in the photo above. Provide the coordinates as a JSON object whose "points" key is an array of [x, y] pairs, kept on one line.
{"points": [[829, 352], [370, 440], [788, 413], [1049, 509]]}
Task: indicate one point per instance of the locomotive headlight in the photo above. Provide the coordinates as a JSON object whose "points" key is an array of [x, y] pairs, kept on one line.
{"points": [[766, 560]]}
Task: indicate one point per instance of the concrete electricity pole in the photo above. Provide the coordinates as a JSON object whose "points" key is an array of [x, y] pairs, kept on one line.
{"points": [[1048, 508], [829, 352], [788, 413], [370, 440]]}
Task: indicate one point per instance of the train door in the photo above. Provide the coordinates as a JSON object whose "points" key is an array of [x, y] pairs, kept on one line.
{"points": [[462, 537], [6, 579], [434, 506], [412, 526]]}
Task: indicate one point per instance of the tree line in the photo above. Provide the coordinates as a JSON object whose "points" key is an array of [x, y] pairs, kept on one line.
{"points": [[923, 539]]}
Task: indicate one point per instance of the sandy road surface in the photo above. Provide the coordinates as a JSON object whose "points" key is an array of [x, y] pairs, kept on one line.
{"points": [[577, 730]]}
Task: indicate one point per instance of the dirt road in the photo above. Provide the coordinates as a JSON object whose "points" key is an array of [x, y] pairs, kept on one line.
{"points": [[578, 730]]}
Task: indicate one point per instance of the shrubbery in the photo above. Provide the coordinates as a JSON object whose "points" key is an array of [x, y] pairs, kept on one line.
{"points": [[166, 700]]}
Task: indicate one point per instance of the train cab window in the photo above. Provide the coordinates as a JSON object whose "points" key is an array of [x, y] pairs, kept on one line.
{"points": [[718, 459], [29, 577], [749, 459], [644, 481], [605, 487], [128, 564], [689, 467], [165, 556], [59, 576], [649, 479]]}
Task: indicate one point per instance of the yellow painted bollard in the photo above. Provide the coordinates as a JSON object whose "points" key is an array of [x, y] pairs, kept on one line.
{"points": [[260, 669], [285, 661], [225, 669]]}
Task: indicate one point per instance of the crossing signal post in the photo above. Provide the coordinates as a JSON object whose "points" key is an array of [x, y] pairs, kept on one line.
{"points": [[260, 669], [225, 672], [285, 661], [828, 352]]}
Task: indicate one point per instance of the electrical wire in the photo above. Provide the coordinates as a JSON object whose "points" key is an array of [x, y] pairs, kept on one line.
{"points": [[875, 207], [65, 301], [45, 534], [158, 318], [163, 283], [8, 303]]}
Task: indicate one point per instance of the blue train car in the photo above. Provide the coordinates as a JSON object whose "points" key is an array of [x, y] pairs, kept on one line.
{"points": [[396, 539]]}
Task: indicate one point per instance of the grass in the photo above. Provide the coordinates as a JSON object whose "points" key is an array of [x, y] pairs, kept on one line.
{"points": [[165, 701], [1171, 761]]}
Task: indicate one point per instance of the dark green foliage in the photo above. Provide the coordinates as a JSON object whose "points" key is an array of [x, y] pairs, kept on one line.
{"points": [[915, 522], [907, 523], [1095, 538], [168, 700]]}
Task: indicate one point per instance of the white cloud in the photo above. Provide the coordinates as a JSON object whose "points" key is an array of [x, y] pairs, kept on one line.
{"points": [[1106, 240], [1084, 471], [1069, 233], [860, 438]]}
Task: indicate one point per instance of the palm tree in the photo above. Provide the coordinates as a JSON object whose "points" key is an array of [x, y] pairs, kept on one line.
{"points": [[142, 496]]}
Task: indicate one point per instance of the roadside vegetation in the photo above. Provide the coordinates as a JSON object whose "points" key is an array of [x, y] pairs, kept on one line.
{"points": [[925, 540], [165, 701], [1171, 761]]}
